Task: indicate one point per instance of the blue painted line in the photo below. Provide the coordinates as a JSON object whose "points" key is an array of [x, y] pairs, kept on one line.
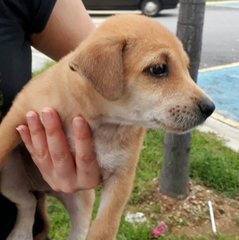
{"points": [[223, 87]]}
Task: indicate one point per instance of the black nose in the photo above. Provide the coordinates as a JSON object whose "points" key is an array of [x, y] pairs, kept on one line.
{"points": [[206, 107]]}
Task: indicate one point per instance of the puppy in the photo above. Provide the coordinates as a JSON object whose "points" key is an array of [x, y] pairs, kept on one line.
{"points": [[130, 74]]}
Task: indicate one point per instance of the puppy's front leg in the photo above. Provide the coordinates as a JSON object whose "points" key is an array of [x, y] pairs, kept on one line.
{"points": [[79, 206], [115, 193]]}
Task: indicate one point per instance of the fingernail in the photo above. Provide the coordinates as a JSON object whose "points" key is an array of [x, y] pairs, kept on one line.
{"points": [[47, 116], [19, 129], [31, 117], [78, 122]]}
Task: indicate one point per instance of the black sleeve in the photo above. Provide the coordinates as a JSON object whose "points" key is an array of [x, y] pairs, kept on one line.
{"points": [[43, 10], [18, 20], [32, 14]]}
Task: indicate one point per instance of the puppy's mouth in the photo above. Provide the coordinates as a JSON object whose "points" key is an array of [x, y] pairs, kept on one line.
{"points": [[182, 119], [182, 125], [173, 128]]}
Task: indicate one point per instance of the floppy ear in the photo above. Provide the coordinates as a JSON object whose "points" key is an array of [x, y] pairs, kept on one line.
{"points": [[101, 62]]}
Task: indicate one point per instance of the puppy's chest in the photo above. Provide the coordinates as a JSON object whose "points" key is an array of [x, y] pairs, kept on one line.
{"points": [[112, 143], [112, 146]]}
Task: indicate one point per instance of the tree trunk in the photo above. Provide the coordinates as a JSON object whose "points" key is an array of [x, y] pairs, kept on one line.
{"points": [[174, 177]]}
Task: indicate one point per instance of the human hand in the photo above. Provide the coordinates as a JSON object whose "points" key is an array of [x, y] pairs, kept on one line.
{"points": [[50, 151]]}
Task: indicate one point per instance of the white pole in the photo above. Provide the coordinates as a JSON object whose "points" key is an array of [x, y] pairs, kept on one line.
{"points": [[214, 229]]}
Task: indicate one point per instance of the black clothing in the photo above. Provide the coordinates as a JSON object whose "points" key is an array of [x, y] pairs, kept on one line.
{"points": [[18, 20]]}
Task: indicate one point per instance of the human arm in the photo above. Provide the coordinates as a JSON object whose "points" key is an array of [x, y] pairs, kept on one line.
{"points": [[68, 25]]}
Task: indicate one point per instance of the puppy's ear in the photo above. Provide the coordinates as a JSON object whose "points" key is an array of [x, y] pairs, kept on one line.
{"points": [[100, 61]]}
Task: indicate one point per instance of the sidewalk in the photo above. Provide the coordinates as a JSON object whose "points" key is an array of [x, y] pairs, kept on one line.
{"points": [[39, 60], [226, 129]]}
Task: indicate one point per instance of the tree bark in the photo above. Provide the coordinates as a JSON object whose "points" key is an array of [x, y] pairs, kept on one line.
{"points": [[174, 177]]}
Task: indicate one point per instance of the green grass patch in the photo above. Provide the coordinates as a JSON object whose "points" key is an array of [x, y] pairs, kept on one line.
{"points": [[129, 231], [59, 220], [214, 165], [148, 166]]}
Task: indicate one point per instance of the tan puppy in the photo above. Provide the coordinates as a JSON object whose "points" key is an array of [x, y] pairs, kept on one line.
{"points": [[130, 74]]}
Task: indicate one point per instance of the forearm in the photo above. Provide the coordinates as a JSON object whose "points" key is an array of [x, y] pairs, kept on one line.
{"points": [[68, 25]]}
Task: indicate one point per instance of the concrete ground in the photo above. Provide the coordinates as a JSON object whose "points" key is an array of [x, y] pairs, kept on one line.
{"points": [[226, 129]]}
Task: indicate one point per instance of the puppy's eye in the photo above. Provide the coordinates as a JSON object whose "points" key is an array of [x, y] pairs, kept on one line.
{"points": [[158, 71]]}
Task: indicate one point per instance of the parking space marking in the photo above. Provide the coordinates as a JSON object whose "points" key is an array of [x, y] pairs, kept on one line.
{"points": [[214, 68], [221, 83]]}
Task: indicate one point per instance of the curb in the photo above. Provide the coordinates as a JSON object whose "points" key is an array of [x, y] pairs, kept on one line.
{"points": [[229, 134], [227, 121]]}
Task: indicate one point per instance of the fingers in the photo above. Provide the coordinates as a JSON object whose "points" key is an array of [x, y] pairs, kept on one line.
{"points": [[57, 144], [34, 138], [88, 173], [26, 137], [50, 151]]}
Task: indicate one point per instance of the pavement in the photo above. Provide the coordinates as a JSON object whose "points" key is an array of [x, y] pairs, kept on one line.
{"points": [[224, 128], [222, 123], [39, 60]]}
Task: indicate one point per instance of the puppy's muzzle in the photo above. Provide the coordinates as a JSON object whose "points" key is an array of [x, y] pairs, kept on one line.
{"points": [[206, 107]]}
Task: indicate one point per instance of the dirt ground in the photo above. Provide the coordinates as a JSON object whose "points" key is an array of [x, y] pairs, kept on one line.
{"points": [[190, 217]]}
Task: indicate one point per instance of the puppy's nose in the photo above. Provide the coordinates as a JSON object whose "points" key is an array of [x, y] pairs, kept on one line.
{"points": [[206, 107]]}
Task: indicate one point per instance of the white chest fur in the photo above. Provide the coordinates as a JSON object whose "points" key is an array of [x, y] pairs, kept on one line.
{"points": [[110, 145], [110, 159]]}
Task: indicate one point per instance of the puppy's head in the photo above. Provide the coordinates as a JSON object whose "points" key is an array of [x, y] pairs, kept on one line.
{"points": [[141, 70]]}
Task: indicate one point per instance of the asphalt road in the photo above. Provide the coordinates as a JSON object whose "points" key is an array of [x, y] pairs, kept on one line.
{"points": [[220, 37], [220, 34]]}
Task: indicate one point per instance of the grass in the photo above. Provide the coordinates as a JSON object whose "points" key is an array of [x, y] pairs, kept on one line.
{"points": [[215, 165], [211, 164], [60, 224]]}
